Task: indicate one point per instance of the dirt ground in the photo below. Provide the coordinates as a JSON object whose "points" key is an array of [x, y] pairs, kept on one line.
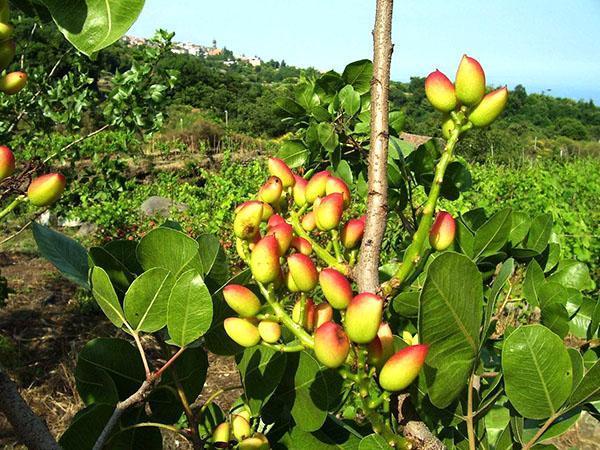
{"points": [[46, 327]]}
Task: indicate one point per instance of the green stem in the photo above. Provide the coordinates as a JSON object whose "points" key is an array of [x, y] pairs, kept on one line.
{"points": [[322, 253], [16, 202], [305, 338], [541, 431], [335, 239], [469, 418], [415, 251], [286, 348]]}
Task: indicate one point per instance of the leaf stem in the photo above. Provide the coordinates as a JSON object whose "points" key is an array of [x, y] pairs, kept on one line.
{"points": [[541, 431], [415, 251], [469, 418], [138, 343], [335, 238], [160, 371]]}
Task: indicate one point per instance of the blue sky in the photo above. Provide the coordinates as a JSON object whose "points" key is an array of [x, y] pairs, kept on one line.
{"points": [[542, 44]]}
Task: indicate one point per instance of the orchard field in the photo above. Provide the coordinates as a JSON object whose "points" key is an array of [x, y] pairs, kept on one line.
{"points": [[153, 141]]}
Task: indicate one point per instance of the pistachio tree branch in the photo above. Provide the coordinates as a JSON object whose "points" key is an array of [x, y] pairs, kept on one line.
{"points": [[366, 272], [416, 249], [29, 428]]}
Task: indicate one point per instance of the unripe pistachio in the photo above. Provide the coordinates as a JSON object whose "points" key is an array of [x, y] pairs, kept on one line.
{"points": [[264, 260], [470, 81], [323, 313], [331, 345], [222, 433], [403, 367], [270, 192], [246, 224], [7, 162], [242, 300], [267, 212], [382, 347], [448, 127], [6, 31], [242, 330], [363, 317], [13, 82], [328, 212], [308, 321], [275, 220], [337, 185], [303, 271], [440, 91], [290, 283], [240, 427], [257, 442], [269, 331], [45, 190], [301, 245], [277, 167], [7, 53], [352, 233], [299, 191], [336, 288], [284, 234], [442, 232], [490, 108], [309, 222], [316, 186]]}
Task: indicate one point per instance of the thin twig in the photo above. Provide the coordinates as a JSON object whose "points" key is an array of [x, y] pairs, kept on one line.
{"points": [[76, 141], [469, 417], [541, 431]]}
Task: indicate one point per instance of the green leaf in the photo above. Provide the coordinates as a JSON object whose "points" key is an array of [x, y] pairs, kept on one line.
{"points": [[560, 426], [85, 428], [167, 248], [581, 322], [588, 389], [519, 227], [214, 260], [305, 391], [108, 370], [573, 274], [359, 74], [537, 371], [493, 234], [294, 153], [533, 282], [464, 239], [577, 365], [106, 297], [261, 369], [306, 97], [456, 180], [119, 275], [555, 317], [407, 304], [373, 442], [189, 312], [350, 100], [91, 25], [331, 436], [289, 107], [147, 299], [327, 136], [504, 274], [344, 171], [396, 122], [66, 254], [550, 293], [539, 233], [450, 314]]}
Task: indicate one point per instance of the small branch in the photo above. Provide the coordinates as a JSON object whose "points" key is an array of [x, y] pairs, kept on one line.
{"points": [[211, 399], [305, 338], [541, 431], [285, 348], [138, 343], [16, 202], [366, 272], [469, 418], [414, 253], [29, 428]]}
